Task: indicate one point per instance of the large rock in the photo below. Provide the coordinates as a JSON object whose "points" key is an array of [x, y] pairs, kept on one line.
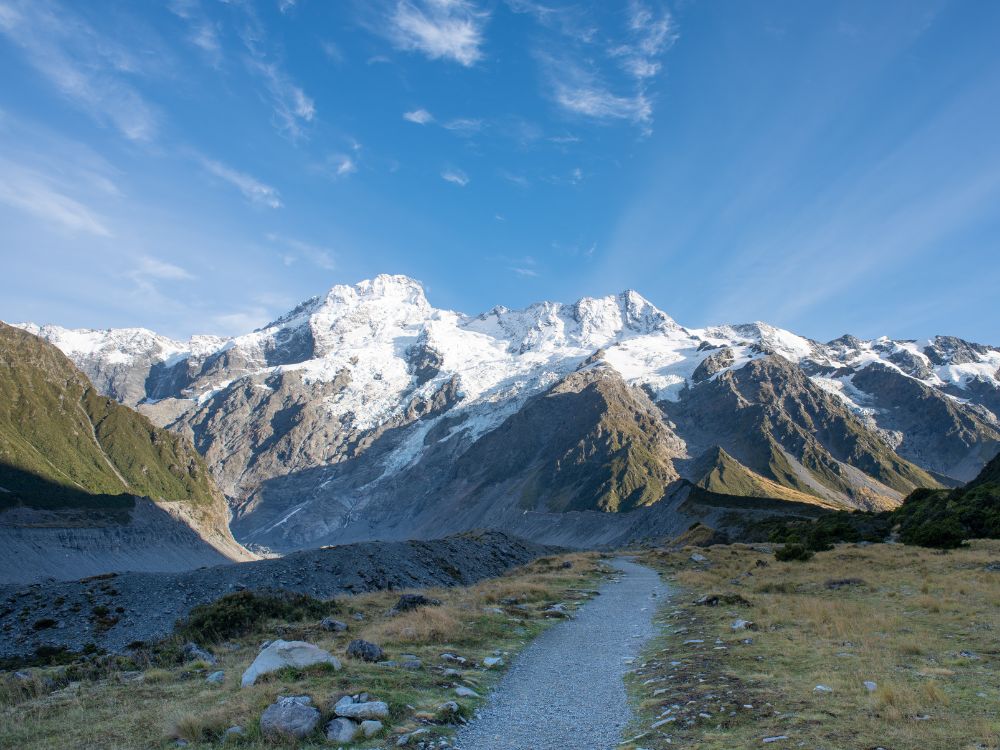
{"points": [[369, 710], [364, 650], [281, 654], [342, 730], [413, 601], [290, 717]]}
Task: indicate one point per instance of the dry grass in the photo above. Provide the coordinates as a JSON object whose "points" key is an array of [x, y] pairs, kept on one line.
{"points": [[176, 703], [922, 625]]}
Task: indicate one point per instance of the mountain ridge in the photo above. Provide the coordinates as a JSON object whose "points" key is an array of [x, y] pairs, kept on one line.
{"points": [[320, 413]]}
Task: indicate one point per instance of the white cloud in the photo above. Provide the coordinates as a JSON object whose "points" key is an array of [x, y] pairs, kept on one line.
{"points": [[441, 29], [321, 257], [88, 69], [463, 125], [651, 34], [286, 5], [455, 176], [419, 116], [253, 189], [32, 193], [515, 179], [524, 272], [241, 321], [345, 166], [592, 99], [154, 268], [293, 108]]}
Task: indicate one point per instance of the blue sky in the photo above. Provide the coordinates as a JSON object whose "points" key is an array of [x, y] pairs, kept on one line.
{"points": [[202, 166]]}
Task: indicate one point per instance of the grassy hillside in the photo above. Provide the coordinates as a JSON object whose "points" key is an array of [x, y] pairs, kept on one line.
{"points": [[63, 445]]}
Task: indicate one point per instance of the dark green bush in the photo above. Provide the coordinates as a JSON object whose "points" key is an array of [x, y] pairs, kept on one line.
{"points": [[793, 552], [241, 613]]}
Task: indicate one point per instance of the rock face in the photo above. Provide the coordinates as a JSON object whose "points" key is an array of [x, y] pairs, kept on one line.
{"points": [[88, 485], [281, 654], [367, 413]]}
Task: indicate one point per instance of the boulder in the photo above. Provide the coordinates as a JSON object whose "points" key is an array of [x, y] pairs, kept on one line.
{"points": [[342, 730], [216, 678], [364, 650], [289, 718], [370, 728], [362, 711], [334, 626], [464, 692], [280, 654]]}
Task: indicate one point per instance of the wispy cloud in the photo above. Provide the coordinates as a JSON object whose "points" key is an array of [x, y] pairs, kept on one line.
{"points": [[293, 108], [36, 194], [253, 189], [440, 29], [524, 272], [515, 179], [88, 69], [203, 33], [149, 273], [650, 35], [584, 92], [463, 125], [419, 116], [455, 176], [319, 256]]}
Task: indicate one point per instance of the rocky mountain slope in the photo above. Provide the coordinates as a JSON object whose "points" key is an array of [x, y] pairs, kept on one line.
{"points": [[88, 485], [368, 413]]}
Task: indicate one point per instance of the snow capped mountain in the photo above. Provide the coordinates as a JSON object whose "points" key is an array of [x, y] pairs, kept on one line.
{"points": [[353, 399]]}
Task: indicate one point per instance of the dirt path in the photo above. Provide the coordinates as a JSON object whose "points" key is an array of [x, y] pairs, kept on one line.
{"points": [[565, 691]]}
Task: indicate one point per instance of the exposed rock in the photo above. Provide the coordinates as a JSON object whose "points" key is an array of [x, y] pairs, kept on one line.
{"points": [[216, 678], [364, 650], [743, 625], [281, 654], [464, 692], [363, 711], [332, 625], [491, 662], [409, 602], [342, 730], [193, 652], [291, 717], [371, 727]]}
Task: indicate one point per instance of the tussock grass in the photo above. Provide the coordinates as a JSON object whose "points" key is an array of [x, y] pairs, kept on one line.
{"points": [[905, 629]]}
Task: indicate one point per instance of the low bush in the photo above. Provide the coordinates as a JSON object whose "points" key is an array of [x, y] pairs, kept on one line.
{"points": [[793, 552], [239, 614]]}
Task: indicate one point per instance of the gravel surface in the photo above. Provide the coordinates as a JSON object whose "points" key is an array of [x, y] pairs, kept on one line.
{"points": [[565, 691]]}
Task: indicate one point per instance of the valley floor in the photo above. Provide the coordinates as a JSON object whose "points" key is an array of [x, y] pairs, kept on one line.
{"points": [[879, 646]]}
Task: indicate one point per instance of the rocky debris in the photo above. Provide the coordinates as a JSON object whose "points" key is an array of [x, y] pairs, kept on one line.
{"points": [[364, 650], [333, 626], [291, 717], [743, 625], [194, 652], [838, 583], [153, 602], [556, 610], [216, 678], [281, 654], [992, 566], [412, 737], [409, 602], [454, 658]]}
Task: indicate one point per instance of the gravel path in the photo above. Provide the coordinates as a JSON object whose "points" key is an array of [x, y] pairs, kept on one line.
{"points": [[565, 690]]}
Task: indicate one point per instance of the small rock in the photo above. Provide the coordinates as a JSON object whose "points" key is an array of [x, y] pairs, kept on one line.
{"points": [[364, 650], [406, 739], [370, 728], [413, 601], [778, 738], [281, 654], [234, 731], [292, 717], [492, 661], [870, 686], [357, 616], [334, 626], [448, 712], [698, 558], [566, 565], [822, 689], [342, 730], [216, 678], [194, 652], [743, 625], [362, 711], [464, 692]]}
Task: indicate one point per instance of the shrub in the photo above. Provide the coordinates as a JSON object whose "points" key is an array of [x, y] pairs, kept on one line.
{"points": [[792, 552], [239, 614]]}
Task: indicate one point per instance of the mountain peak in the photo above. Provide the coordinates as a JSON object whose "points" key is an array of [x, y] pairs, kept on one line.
{"points": [[388, 287]]}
